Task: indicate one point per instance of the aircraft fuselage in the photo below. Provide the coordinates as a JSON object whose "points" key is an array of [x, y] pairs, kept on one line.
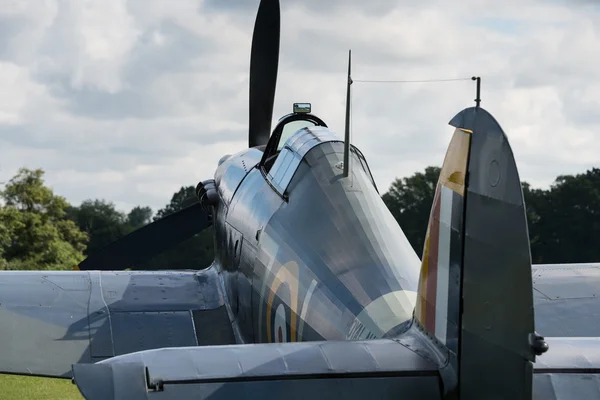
{"points": [[306, 253]]}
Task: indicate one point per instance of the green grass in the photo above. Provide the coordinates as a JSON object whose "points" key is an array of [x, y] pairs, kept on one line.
{"points": [[15, 387]]}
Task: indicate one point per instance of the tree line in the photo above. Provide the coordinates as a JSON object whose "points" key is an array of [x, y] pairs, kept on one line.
{"points": [[40, 230], [563, 220]]}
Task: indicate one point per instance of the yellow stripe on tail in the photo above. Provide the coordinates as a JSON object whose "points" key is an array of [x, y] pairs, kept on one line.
{"points": [[452, 176]]}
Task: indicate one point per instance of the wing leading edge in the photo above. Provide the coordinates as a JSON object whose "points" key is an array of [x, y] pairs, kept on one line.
{"points": [[53, 319], [319, 370]]}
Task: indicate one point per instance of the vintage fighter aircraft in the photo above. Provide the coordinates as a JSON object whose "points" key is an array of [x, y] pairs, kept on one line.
{"points": [[315, 291]]}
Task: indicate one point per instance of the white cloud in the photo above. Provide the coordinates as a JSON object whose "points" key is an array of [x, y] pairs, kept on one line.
{"points": [[18, 88], [129, 100]]}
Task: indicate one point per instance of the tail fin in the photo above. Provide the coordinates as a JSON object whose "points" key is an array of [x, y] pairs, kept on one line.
{"points": [[475, 290]]}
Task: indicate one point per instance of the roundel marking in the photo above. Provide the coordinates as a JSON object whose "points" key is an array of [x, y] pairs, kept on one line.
{"points": [[283, 296], [494, 173], [281, 315]]}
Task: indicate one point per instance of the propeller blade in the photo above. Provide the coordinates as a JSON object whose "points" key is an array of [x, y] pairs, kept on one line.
{"points": [[149, 241], [264, 61]]}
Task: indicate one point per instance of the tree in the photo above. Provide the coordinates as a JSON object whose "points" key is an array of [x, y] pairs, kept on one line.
{"points": [[409, 200], [536, 205], [571, 219], [186, 196], [6, 233], [34, 230], [139, 216], [101, 221]]}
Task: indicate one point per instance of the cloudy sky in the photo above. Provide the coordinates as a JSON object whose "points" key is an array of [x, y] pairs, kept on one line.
{"points": [[130, 100]]}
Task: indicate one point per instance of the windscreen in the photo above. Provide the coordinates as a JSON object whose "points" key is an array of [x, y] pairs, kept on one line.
{"points": [[290, 128]]}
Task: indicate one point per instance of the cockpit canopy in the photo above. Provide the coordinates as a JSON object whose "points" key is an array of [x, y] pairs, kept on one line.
{"points": [[286, 127], [294, 135]]}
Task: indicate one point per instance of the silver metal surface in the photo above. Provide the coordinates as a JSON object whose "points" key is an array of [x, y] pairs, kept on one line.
{"points": [[572, 386], [570, 353], [53, 319], [567, 299], [334, 368], [232, 171], [570, 370]]}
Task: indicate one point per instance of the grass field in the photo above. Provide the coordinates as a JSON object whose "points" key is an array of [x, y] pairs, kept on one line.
{"points": [[32, 388]]}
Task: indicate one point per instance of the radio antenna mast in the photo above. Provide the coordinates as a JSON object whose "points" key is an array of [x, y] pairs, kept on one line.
{"points": [[478, 90], [347, 128]]}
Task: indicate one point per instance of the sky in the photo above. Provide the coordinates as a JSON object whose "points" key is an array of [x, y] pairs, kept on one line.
{"points": [[128, 101]]}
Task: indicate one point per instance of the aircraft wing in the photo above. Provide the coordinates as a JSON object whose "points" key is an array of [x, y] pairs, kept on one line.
{"points": [[567, 299], [50, 320], [382, 368], [569, 370]]}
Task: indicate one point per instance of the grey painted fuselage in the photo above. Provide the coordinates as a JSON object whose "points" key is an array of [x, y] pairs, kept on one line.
{"points": [[306, 253]]}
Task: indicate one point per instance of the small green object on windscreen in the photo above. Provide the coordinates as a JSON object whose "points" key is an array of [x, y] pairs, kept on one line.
{"points": [[301, 107]]}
